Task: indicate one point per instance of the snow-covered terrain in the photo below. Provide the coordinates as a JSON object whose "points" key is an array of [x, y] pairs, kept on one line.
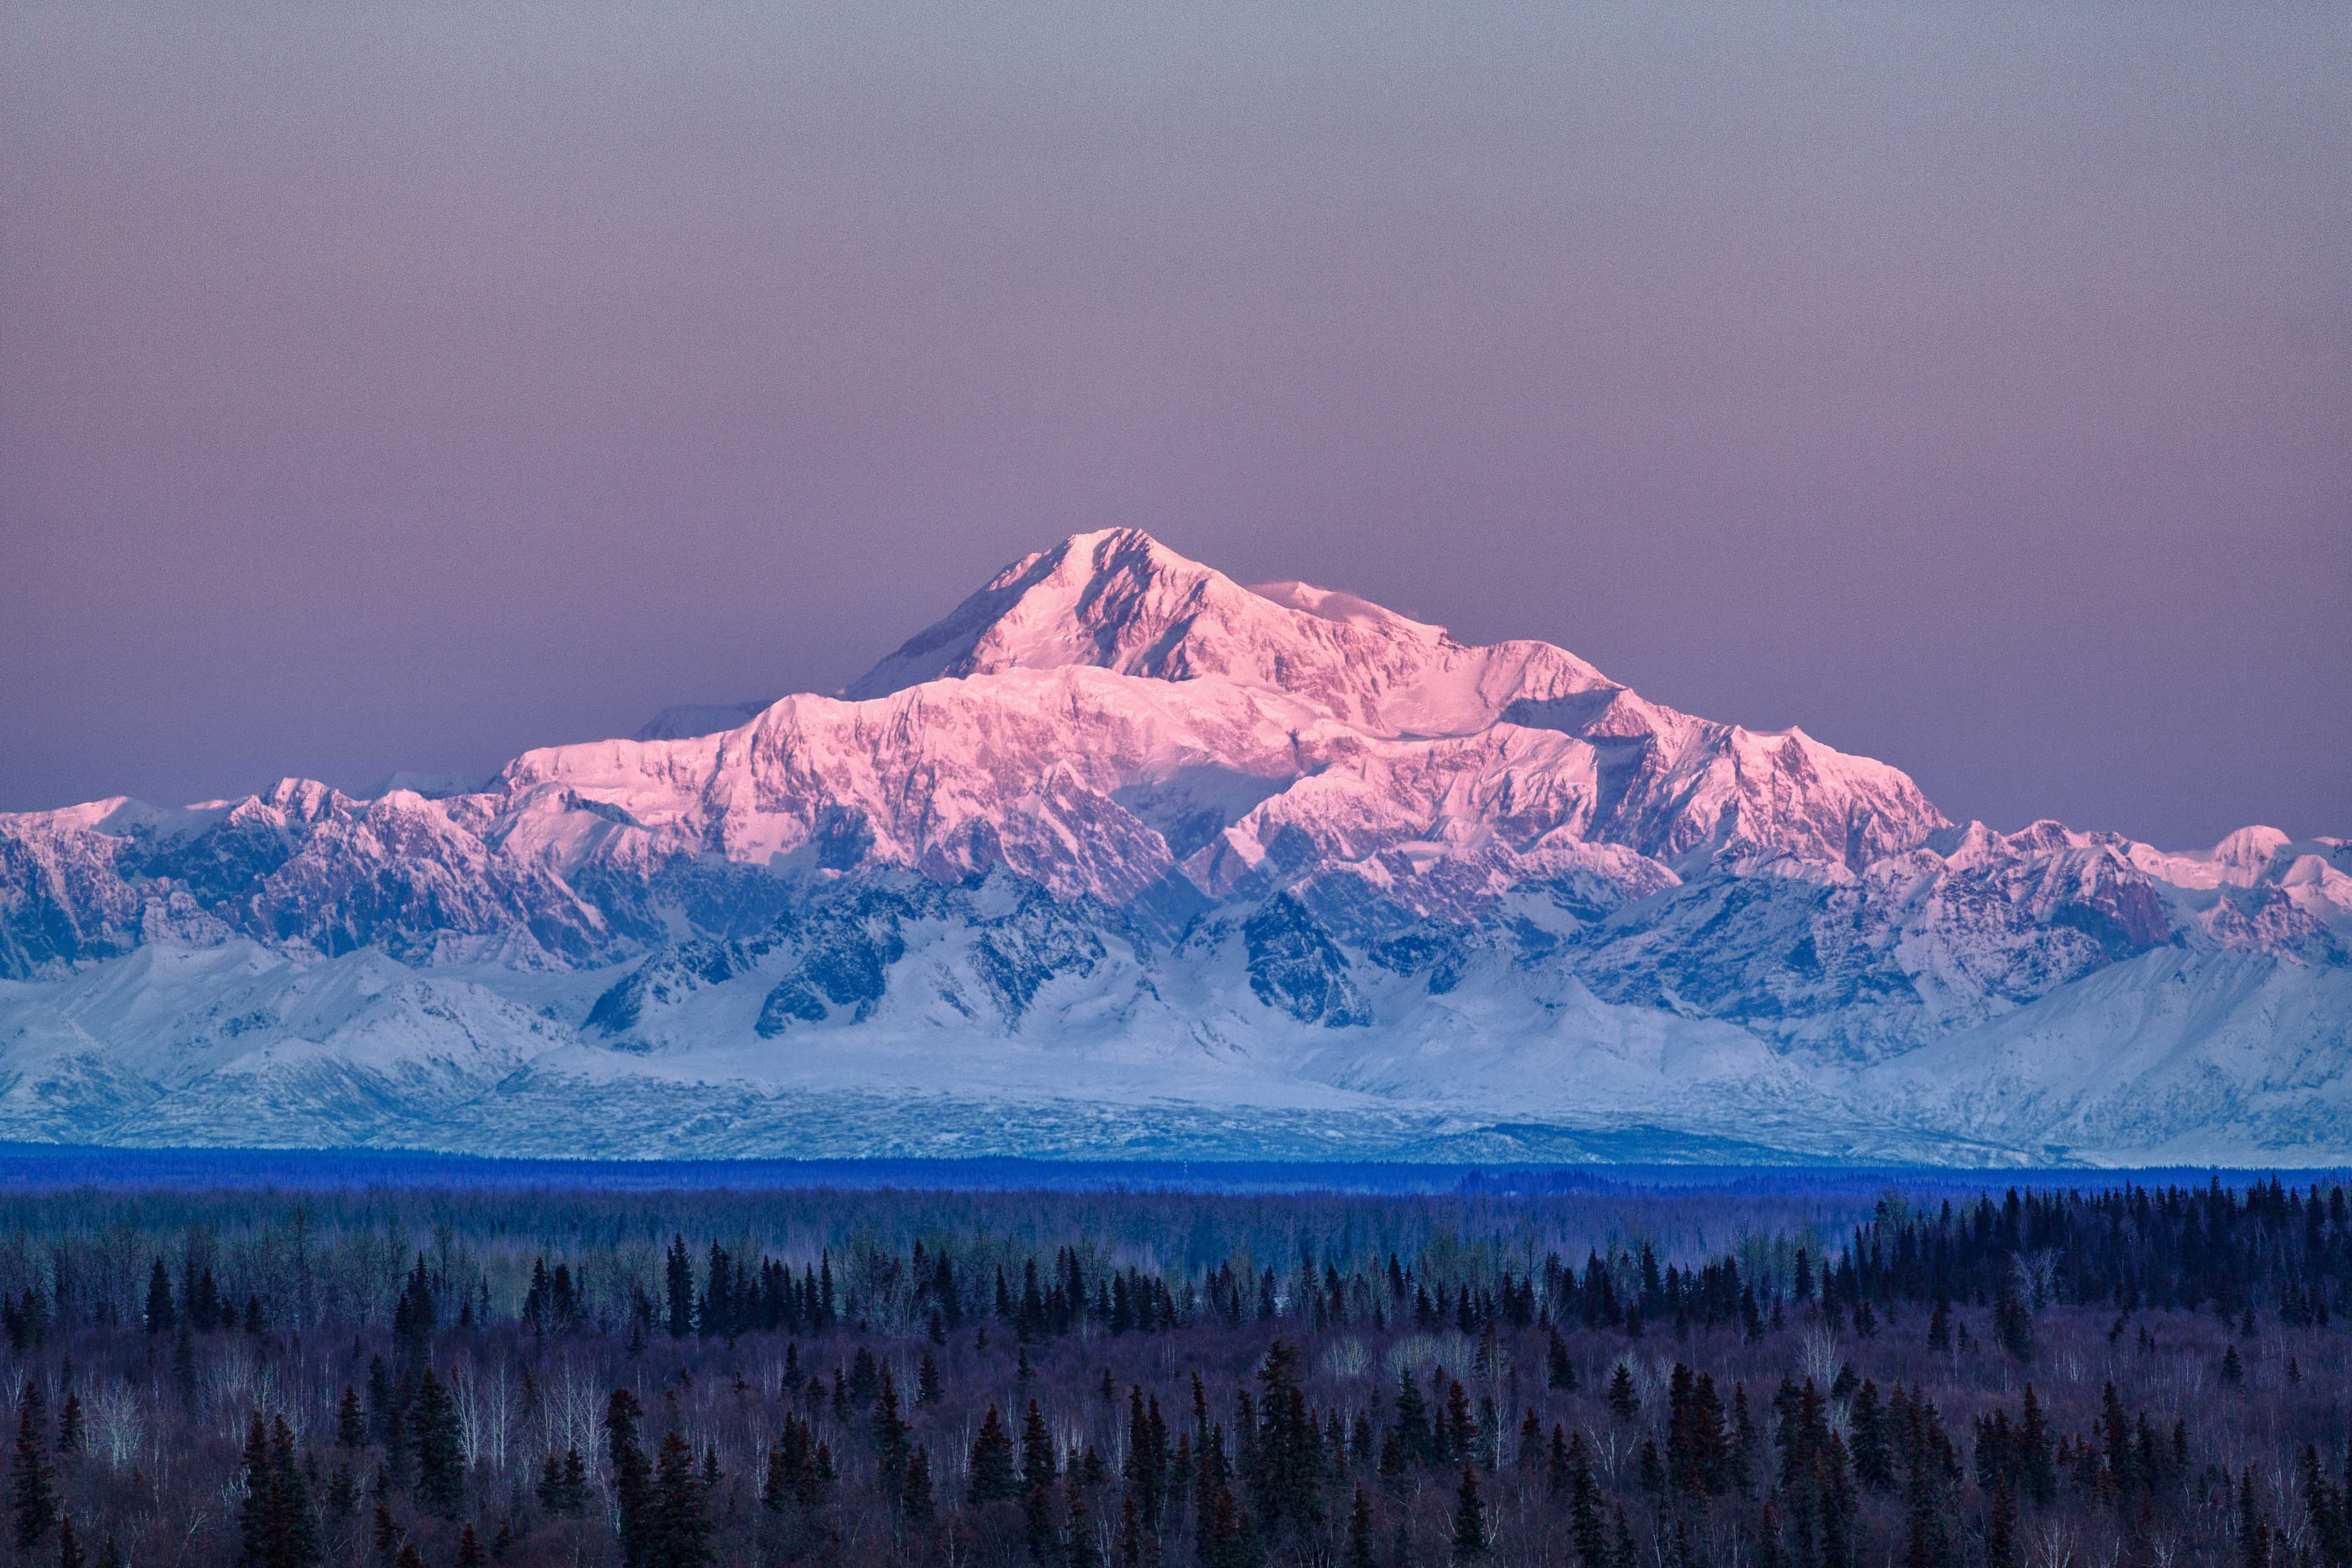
{"points": [[1124, 857]]}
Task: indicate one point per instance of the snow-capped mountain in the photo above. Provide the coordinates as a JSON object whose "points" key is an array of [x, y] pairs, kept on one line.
{"points": [[1124, 857]]}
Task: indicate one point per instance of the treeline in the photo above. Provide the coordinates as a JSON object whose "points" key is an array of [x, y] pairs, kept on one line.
{"points": [[314, 1258], [2135, 1376]]}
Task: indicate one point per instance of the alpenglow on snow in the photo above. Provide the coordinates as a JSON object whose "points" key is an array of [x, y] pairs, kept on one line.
{"points": [[1124, 858]]}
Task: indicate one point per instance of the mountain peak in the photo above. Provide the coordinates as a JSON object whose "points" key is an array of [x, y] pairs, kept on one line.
{"points": [[1121, 600], [1095, 598]]}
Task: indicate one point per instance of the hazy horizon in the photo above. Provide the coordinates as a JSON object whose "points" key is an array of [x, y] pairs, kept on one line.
{"points": [[1971, 386]]}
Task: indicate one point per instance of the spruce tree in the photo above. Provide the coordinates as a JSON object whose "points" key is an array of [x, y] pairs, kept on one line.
{"points": [[1415, 1438], [992, 1473], [343, 1491], [254, 1509], [293, 1532], [35, 1493], [350, 1422], [916, 1496], [160, 1318], [780, 1486], [632, 1478], [1623, 1402], [1288, 1455], [1584, 1507], [1038, 1460], [1082, 1551], [440, 1466], [681, 1529], [1559, 1371], [574, 1493], [1469, 1518], [2001, 1531], [890, 1436], [681, 1289], [1360, 1531]]}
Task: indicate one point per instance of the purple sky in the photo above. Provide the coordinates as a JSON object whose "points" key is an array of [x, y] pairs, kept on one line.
{"points": [[402, 386]]}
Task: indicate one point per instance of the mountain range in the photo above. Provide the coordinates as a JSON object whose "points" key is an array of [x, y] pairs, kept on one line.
{"points": [[1123, 857]]}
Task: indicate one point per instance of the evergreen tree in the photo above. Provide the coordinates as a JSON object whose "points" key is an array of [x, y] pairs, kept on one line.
{"points": [[35, 1493], [916, 1498], [1081, 1550], [680, 1534], [1469, 1518], [254, 1510], [414, 1320], [1872, 1465], [2001, 1531], [1038, 1460], [1584, 1507], [574, 1494], [1288, 1454], [681, 1289], [632, 1478], [440, 1467], [1416, 1437], [1360, 1533], [992, 1473], [343, 1491], [1559, 1371], [1623, 1402], [293, 1532], [160, 1318], [891, 1446], [350, 1422]]}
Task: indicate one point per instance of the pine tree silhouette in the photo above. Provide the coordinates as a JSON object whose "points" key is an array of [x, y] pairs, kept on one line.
{"points": [[992, 1473], [34, 1483], [440, 1466], [1469, 1518], [680, 1528], [632, 1478], [160, 1318]]}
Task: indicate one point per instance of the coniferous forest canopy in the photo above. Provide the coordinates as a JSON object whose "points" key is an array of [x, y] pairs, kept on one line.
{"points": [[1792, 1371]]}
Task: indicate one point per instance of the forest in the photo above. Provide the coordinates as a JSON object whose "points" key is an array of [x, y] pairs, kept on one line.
{"points": [[1594, 1374]]}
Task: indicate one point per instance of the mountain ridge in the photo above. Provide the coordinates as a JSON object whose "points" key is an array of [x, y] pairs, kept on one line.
{"points": [[1119, 831]]}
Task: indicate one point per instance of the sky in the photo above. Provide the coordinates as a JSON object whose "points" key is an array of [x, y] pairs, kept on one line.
{"points": [[401, 386]]}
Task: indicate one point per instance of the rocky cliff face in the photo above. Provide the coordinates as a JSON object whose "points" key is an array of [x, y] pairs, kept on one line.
{"points": [[1222, 868]]}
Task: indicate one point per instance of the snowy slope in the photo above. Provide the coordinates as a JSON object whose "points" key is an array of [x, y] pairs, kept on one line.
{"points": [[1167, 862]]}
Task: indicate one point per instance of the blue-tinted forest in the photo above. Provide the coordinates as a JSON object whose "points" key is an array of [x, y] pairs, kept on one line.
{"points": [[276, 1363]]}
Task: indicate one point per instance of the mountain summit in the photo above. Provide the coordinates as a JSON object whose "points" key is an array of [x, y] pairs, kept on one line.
{"points": [[1124, 856], [1121, 601]]}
